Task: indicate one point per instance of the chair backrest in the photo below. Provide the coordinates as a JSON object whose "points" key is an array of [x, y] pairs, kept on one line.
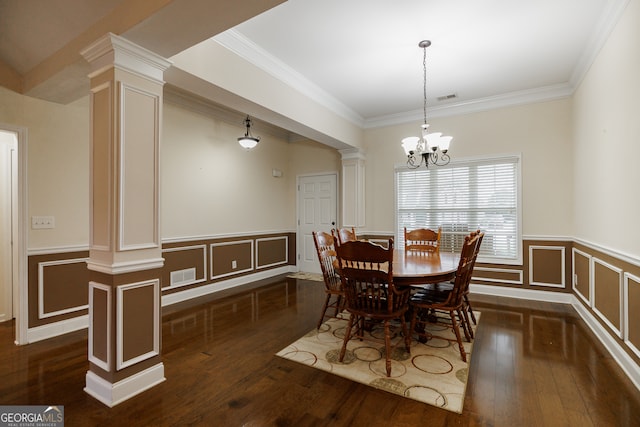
{"points": [[366, 270], [468, 256], [346, 235], [325, 247], [422, 240]]}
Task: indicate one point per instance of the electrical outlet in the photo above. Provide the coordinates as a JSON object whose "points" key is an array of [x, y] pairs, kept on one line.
{"points": [[38, 222], [234, 264]]}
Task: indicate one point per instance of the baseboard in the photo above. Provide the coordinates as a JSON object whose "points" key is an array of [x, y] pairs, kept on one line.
{"points": [[622, 358], [62, 327], [529, 294], [618, 353], [113, 394], [201, 291]]}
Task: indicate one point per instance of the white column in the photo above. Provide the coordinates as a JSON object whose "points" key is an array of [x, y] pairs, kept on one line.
{"points": [[125, 255], [353, 202]]}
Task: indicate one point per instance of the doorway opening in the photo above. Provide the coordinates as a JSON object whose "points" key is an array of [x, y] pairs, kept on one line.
{"points": [[12, 230]]}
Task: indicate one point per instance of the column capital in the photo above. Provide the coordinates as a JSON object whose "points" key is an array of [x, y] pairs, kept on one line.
{"points": [[114, 51], [353, 153]]}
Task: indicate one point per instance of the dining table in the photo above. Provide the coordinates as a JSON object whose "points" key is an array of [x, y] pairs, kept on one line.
{"points": [[419, 268]]}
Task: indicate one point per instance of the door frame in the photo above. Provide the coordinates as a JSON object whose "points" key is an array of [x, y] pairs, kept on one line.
{"points": [[20, 285], [298, 234]]}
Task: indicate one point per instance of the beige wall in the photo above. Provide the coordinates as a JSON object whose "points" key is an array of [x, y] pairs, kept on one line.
{"points": [[540, 133], [58, 165], [211, 186], [607, 142]]}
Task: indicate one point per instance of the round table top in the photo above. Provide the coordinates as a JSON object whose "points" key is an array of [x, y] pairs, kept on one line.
{"points": [[419, 268]]}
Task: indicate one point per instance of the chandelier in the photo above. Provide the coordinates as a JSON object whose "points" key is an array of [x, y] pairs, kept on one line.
{"points": [[248, 141], [429, 147]]}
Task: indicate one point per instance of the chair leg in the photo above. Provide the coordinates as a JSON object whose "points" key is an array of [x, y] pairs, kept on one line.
{"points": [[347, 336], [324, 310], [473, 317], [387, 346], [338, 305], [456, 330], [407, 334], [467, 322], [464, 322]]}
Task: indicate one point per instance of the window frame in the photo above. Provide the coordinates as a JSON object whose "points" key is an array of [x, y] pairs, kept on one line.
{"points": [[516, 159]]}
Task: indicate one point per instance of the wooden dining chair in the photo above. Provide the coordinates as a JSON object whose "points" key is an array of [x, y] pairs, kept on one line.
{"points": [[366, 270], [345, 235], [448, 286], [422, 240], [325, 247], [446, 308]]}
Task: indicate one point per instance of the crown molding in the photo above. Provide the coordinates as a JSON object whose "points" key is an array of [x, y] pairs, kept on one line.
{"points": [[246, 49], [529, 96]]}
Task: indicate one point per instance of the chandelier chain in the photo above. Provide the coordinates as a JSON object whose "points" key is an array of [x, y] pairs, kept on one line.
{"points": [[424, 83]]}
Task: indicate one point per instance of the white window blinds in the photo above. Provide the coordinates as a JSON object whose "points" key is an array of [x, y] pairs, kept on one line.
{"points": [[460, 198]]}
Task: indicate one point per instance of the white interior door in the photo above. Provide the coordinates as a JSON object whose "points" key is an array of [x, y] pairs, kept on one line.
{"points": [[8, 222], [317, 211]]}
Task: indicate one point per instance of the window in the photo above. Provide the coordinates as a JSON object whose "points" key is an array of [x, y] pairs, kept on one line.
{"points": [[462, 197]]}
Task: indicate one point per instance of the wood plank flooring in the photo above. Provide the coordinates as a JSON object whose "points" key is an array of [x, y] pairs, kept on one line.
{"points": [[533, 364]]}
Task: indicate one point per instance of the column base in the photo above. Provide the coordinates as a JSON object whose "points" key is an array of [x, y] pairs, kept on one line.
{"points": [[113, 394]]}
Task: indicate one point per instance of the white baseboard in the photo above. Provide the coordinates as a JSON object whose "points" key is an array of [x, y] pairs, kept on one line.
{"points": [[225, 284], [615, 349], [51, 330], [112, 394], [626, 363], [529, 294]]}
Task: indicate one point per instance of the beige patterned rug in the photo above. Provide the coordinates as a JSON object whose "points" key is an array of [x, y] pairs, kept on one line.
{"points": [[433, 373], [307, 276]]}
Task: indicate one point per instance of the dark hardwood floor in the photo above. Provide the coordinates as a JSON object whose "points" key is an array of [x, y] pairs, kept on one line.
{"points": [[533, 364]]}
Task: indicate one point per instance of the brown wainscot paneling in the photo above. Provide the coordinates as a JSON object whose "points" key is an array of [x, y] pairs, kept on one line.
{"points": [[271, 251], [139, 305], [632, 321], [496, 274], [607, 294], [547, 264], [58, 287], [582, 275], [231, 258], [184, 265], [615, 294]]}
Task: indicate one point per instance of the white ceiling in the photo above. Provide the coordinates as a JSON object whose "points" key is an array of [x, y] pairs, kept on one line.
{"points": [[365, 54], [361, 57]]}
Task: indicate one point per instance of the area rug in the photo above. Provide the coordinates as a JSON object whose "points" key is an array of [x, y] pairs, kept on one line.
{"points": [[307, 276], [433, 373]]}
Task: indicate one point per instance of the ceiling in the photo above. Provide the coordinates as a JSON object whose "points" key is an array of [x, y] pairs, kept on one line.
{"points": [[361, 57]]}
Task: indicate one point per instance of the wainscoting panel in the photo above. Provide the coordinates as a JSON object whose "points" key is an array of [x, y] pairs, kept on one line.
{"points": [[607, 294], [497, 275], [184, 266], [57, 287], [62, 287], [547, 266], [100, 318], [581, 277], [230, 258], [139, 309], [632, 313], [271, 251]]}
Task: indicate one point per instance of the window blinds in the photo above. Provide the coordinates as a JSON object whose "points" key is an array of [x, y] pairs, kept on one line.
{"points": [[460, 198]]}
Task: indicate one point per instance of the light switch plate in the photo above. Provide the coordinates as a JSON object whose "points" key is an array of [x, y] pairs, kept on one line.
{"points": [[43, 222]]}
